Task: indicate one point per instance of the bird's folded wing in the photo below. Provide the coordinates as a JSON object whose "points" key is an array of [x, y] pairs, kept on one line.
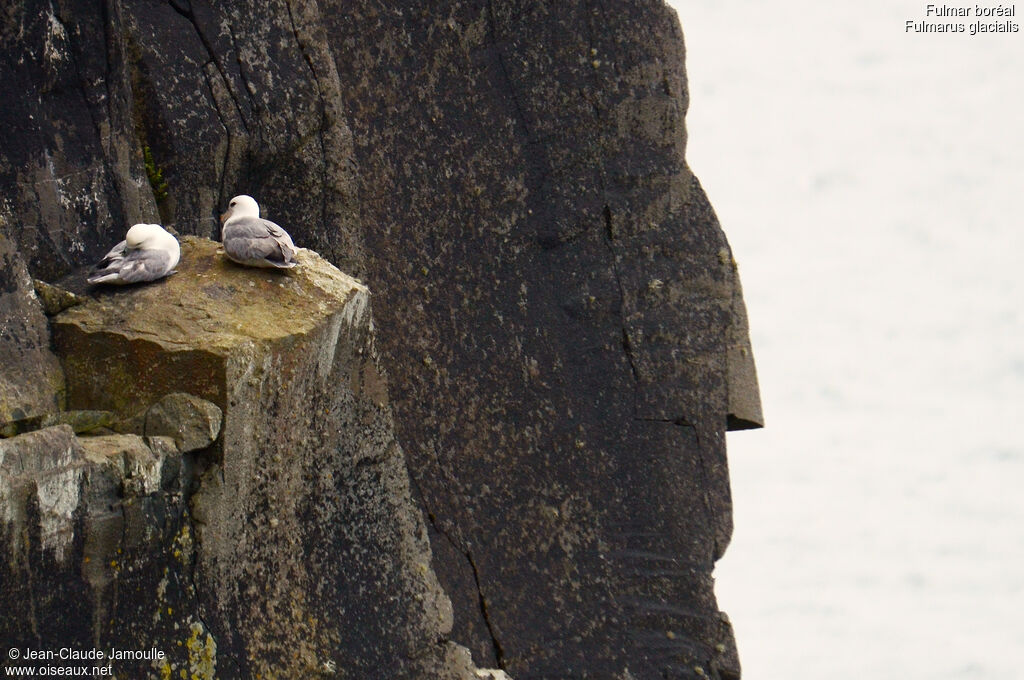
{"points": [[145, 265]]}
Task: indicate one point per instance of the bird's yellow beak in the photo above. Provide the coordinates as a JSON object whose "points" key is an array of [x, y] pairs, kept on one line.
{"points": [[225, 216]]}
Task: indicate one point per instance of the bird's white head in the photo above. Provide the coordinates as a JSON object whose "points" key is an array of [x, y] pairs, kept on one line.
{"points": [[241, 206], [141, 235]]}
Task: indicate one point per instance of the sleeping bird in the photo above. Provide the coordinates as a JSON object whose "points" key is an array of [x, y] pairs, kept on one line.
{"points": [[253, 241], [147, 253]]}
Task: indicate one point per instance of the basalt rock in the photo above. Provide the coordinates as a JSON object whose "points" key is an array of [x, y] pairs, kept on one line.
{"points": [[192, 422], [563, 323], [283, 544], [557, 306]]}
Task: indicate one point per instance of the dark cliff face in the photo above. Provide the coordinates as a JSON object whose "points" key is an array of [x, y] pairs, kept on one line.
{"points": [[559, 302], [557, 308]]}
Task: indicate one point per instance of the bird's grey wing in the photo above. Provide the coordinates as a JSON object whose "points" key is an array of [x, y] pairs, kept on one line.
{"points": [[145, 265], [116, 253], [246, 228], [283, 239], [251, 239], [110, 264], [275, 230]]}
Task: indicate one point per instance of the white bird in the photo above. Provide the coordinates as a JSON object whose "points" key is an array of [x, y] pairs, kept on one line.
{"points": [[252, 241], [147, 253]]}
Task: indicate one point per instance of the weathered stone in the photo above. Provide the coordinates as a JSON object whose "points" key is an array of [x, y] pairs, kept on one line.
{"points": [[30, 378], [82, 422], [137, 465], [744, 391], [54, 299], [40, 473], [308, 553], [571, 328], [561, 317], [97, 547], [128, 349], [192, 422]]}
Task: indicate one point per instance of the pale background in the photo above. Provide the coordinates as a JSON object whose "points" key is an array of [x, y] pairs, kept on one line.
{"points": [[870, 183]]}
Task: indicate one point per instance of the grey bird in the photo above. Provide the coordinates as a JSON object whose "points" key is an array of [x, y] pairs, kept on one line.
{"points": [[147, 253], [253, 241]]}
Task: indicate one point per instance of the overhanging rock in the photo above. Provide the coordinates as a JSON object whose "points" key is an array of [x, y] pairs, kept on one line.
{"points": [[287, 547]]}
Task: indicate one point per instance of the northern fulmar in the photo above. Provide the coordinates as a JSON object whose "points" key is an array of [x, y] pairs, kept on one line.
{"points": [[253, 241], [147, 253]]}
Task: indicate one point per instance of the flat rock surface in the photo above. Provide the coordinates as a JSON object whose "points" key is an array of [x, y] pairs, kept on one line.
{"points": [[216, 304], [126, 347]]}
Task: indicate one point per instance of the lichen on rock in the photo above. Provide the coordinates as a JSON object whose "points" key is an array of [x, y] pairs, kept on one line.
{"points": [[559, 315], [252, 418]]}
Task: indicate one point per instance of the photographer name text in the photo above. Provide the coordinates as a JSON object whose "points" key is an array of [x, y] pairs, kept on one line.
{"points": [[69, 654]]}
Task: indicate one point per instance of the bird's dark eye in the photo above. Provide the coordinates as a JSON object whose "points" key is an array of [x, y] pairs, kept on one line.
{"points": [[231, 204]]}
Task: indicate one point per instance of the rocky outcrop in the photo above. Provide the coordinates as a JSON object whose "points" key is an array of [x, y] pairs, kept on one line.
{"points": [[558, 309], [259, 523]]}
